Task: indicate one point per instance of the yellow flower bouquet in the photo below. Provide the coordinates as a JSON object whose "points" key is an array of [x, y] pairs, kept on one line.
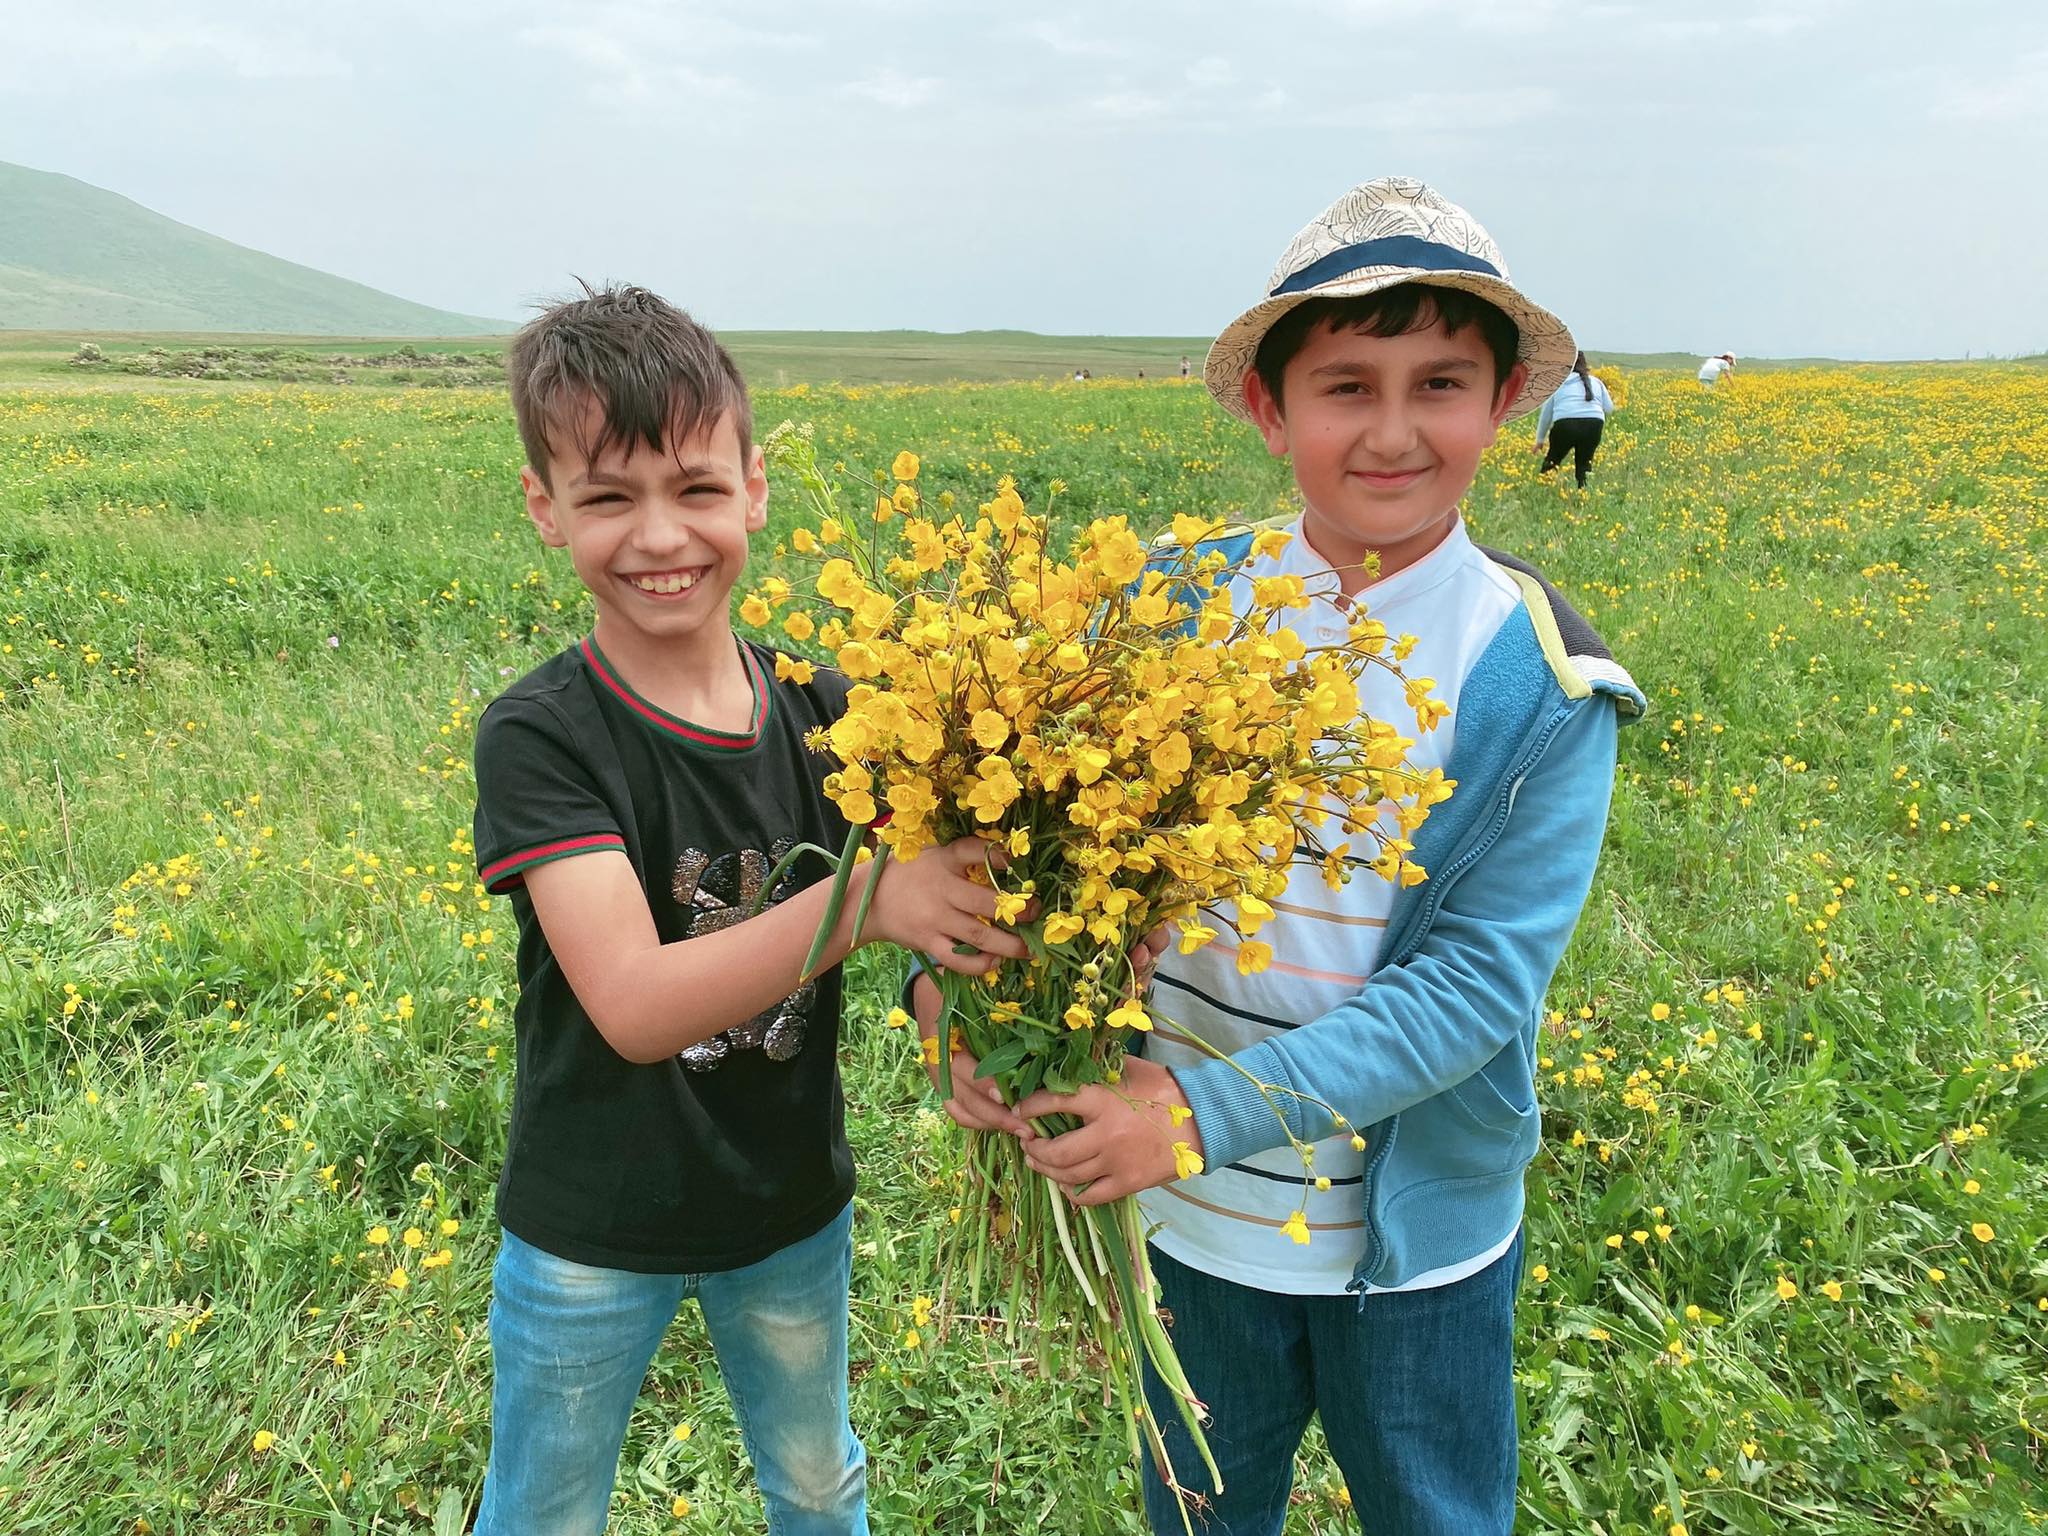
{"points": [[1148, 746]]}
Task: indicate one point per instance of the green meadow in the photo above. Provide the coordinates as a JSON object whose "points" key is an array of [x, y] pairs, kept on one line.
{"points": [[1787, 1268]]}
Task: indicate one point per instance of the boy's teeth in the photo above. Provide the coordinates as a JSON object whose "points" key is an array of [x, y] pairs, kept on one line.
{"points": [[672, 583]]}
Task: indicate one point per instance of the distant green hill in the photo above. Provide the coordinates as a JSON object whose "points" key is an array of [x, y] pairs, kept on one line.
{"points": [[78, 258]]}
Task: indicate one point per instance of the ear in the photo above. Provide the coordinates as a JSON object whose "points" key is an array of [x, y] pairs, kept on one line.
{"points": [[540, 507], [1266, 413], [757, 491], [1510, 390]]}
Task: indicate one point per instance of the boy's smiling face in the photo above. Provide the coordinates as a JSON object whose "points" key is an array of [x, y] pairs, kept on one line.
{"points": [[658, 536], [1385, 434]]}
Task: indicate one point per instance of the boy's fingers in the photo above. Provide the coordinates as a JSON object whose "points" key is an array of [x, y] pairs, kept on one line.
{"points": [[1074, 1150]]}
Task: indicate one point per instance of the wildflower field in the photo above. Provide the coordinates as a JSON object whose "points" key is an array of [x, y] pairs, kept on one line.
{"points": [[1788, 1236]]}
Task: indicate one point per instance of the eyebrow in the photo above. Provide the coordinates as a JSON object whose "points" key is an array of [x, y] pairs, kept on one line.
{"points": [[1350, 370], [591, 477]]}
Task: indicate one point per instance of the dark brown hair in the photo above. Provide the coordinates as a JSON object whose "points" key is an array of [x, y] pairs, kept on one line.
{"points": [[1395, 311], [658, 376]]}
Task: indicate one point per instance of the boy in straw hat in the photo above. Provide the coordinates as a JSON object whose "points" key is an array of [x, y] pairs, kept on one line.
{"points": [[1378, 1292]]}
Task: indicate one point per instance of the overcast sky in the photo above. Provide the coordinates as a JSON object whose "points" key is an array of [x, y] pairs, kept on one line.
{"points": [[1763, 176]]}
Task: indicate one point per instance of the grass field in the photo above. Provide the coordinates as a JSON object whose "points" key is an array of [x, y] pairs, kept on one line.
{"points": [[775, 359], [1786, 1236]]}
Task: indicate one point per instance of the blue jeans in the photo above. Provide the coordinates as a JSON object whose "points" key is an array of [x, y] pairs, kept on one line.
{"points": [[1416, 1391], [571, 1344]]}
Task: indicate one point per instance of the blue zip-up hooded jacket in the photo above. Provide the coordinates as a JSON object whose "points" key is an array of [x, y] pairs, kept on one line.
{"points": [[1434, 1058]]}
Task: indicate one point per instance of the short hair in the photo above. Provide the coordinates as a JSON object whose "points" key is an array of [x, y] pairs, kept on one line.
{"points": [[1395, 311], [656, 374]]}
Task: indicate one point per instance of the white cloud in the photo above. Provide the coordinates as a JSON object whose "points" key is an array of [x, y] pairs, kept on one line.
{"points": [[1128, 106], [1447, 111], [629, 72], [78, 51], [2020, 96], [1063, 39], [1211, 71], [891, 89]]}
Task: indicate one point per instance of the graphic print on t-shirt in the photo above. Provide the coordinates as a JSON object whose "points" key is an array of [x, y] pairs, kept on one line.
{"points": [[717, 893]]}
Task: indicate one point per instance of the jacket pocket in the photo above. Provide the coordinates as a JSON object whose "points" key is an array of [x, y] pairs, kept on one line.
{"points": [[1500, 1096]]}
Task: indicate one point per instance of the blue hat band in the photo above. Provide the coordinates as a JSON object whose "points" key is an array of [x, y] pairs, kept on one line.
{"points": [[1388, 251]]}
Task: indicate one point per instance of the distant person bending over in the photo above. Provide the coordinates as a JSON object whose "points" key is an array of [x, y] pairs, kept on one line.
{"points": [[1712, 369], [1572, 419], [1184, 365]]}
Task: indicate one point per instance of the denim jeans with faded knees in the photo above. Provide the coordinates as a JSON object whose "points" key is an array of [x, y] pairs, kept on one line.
{"points": [[1416, 1391], [571, 1345]]}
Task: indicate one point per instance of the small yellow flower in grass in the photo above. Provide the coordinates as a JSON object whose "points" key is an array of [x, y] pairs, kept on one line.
{"points": [[1660, 1011], [1639, 1236], [1678, 1528], [755, 609], [1296, 1227], [921, 1311], [414, 1237], [1187, 1162], [1692, 1313], [264, 1441], [1786, 1289], [398, 1279], [679, 1506], [341, 1357], [897, 1018], [379, 1235], [1937, 1275], [1972, 1187], [1078, 1017], [1981, 1230], [682, 1432], [1540, 1273], [1832, 1289], [905, 467], [912, 1338], [450, 1226], [1614, 1239]]}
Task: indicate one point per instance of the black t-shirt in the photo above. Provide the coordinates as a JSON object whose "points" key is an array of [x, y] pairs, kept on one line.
{"points": [[736, 1147]]}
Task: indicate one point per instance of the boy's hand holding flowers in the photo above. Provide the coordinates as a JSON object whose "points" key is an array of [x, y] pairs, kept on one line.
{"points": [[1135, 1134], [929, 905]]}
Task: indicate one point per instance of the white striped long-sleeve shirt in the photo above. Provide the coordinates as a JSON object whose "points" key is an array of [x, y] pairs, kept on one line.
{"points": [[1227, 1221]]}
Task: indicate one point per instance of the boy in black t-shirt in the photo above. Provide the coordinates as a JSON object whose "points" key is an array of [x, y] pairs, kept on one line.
{"points": [[677, 1127]]}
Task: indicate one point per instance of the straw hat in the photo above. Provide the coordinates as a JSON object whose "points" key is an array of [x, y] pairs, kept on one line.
{"points": [[1380, 233]]}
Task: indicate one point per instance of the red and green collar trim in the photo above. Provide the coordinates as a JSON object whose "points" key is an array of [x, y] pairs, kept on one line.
{"points": [[661, 721]]}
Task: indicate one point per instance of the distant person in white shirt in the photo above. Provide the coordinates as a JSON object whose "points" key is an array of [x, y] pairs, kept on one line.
{"points": [[1712, 369], [1572, 419]]}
